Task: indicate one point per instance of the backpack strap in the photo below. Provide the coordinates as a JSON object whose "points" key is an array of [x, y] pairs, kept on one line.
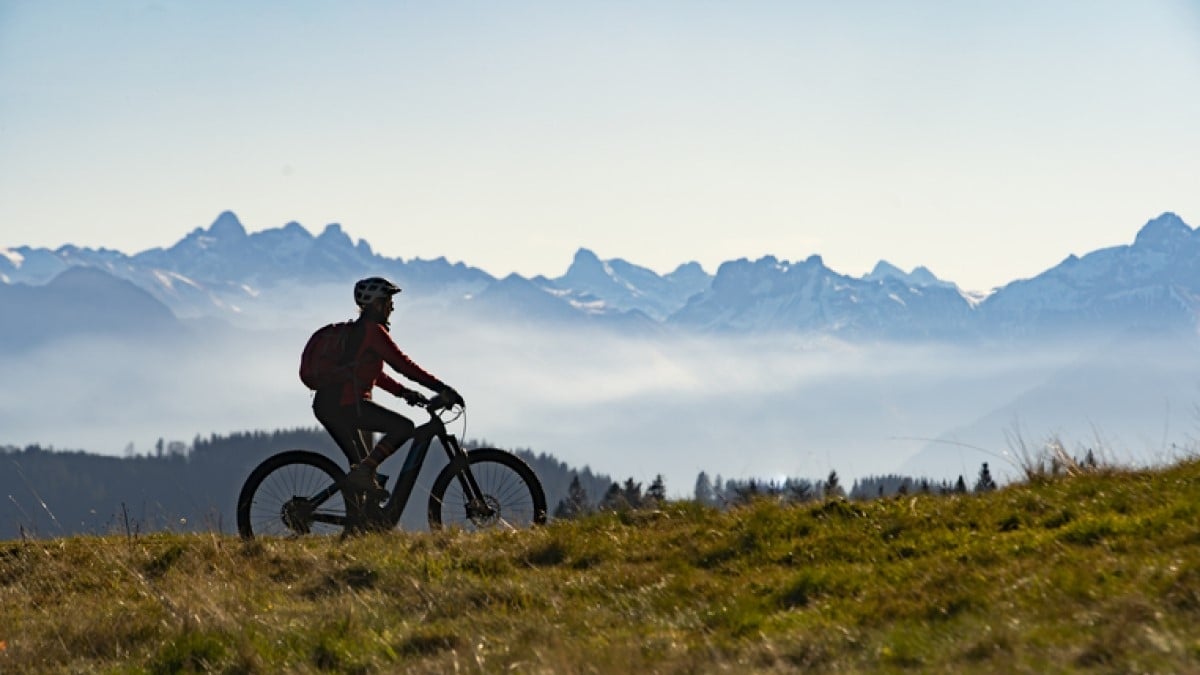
{"points": [[354, 341]]}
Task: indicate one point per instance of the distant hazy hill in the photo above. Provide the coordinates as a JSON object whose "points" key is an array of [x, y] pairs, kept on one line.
{"points": [[80, 301], [1123, 399]]}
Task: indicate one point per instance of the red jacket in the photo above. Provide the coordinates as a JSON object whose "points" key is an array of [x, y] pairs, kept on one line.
{"points": [[376, 349]]}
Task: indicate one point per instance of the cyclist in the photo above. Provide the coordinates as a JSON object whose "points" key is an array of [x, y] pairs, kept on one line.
{"points": [[346, 410]]}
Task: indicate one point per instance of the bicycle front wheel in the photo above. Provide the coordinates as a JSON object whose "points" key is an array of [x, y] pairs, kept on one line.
{"points": [[511, 495], [291, 494]]}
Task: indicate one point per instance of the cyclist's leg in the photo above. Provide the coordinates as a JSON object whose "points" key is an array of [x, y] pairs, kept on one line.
{"points": [[340, 422], [363, 512], [370, 417], [396, 429]]}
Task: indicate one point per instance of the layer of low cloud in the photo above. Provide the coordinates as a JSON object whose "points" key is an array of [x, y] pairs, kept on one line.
{"points": [[627, 406]]}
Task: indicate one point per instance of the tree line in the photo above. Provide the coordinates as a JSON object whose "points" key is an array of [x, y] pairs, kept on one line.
{"points": [[194, 487], [727, 493]]}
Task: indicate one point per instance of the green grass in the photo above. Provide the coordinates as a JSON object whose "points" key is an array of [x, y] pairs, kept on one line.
{"points": [[1098, 571]]}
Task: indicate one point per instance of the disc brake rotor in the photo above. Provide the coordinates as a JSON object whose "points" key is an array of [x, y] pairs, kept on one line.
{"points": [[484, 514], [297, 514]]}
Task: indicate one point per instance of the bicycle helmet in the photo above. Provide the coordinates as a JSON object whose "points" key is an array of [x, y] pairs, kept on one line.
{"points": [[371, 289]]}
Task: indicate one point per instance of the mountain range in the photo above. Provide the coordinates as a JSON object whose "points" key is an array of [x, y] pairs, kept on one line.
{"points": [[224, 272], [764, 365]]}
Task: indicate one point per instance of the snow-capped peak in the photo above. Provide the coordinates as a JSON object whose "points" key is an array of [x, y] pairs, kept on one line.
{"points": [[12, 256]]}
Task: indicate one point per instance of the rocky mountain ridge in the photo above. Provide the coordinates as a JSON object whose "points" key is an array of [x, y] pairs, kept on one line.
{"points": [[222, 271]]}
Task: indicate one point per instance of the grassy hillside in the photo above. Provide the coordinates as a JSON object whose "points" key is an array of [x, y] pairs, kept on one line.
{"points": [[1098, 571]]}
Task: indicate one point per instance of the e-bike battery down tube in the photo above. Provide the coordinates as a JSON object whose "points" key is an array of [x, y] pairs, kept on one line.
{"points": [[412, 467]]}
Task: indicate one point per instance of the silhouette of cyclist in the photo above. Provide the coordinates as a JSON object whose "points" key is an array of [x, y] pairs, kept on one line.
{"points": [[347, 411]]}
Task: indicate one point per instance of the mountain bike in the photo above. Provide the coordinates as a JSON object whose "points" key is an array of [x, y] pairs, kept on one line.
{"points": [[299, 492]]}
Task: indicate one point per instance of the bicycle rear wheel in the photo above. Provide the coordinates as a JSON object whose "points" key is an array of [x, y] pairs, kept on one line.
{"points": [[291, 494], [512, 494]]}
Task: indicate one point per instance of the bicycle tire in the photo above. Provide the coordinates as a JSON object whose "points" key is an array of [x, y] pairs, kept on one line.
{"points": [[266, 504], [509, 486]]}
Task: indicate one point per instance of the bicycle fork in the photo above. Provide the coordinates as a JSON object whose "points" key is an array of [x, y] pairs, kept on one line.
{"points": [[478, 506]]}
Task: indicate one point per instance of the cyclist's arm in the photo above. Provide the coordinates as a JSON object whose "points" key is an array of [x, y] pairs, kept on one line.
{"points": [[391, 385], [381, 341]]}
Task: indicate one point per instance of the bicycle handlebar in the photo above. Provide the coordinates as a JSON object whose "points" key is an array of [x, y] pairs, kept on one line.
{"points": [[438, 403]]}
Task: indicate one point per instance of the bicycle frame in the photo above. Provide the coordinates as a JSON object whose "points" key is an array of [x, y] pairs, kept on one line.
{"points": [[407, 479]]}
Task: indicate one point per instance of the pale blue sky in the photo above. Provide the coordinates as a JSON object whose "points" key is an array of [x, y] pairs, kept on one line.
{"points": [[986, 140]]}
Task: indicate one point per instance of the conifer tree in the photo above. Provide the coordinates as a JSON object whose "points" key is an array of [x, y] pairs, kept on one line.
{"points": [[657, 492], [985, 483], [614, 499], [578, 495], [633, 493], [575, 504], [704, 493], [961, 486], [833, 488]]}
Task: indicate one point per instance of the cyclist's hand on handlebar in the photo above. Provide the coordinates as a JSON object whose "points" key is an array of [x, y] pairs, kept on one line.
{"points": [[451, 396], [414, 398]]}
